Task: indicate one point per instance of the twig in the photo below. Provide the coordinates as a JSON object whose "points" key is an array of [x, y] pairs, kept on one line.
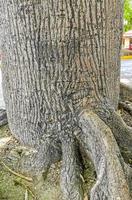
{"points": [[26, 187], [16, 174]]}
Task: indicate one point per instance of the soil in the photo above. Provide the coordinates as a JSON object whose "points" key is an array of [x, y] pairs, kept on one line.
{"points": [[13, 187]]}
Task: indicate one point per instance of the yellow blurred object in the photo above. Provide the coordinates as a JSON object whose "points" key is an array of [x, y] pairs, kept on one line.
{"points": [[126, 57]]}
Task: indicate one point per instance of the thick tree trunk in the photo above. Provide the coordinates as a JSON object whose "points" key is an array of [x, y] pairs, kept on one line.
{"points": [[60, 58]]}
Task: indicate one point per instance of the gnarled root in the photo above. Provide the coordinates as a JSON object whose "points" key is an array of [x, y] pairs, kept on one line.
{"points": [[122, 132], [37, 161], [125, 92], [126, 105], [27, 160], [71, 183], [98, 141]]}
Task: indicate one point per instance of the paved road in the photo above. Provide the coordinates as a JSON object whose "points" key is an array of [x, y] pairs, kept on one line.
{"points": [[126, 77], [126, 72]]}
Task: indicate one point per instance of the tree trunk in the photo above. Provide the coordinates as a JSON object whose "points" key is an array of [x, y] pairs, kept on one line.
{"points": [[60, 60], [3, 117]]}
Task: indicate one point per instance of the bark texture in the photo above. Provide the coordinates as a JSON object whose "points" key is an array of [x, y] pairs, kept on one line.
{"points": [[98, 141], [126, 106], [3, 117], [59, 58]]}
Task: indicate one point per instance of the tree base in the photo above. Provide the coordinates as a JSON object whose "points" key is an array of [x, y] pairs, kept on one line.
{"points": [[92, 139]]}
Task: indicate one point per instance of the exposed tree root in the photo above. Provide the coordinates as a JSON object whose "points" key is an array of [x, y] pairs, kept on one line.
{"points": [[126, 106], [122, 132], [98, 141], [129, 176], [3, 117], [71, 182], [125, 92], [37, 161]]}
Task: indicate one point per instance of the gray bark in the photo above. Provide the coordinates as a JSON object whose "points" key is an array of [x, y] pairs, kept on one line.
{"points": [[3, 117], [126, 106], [99, 143], [61, 57]]}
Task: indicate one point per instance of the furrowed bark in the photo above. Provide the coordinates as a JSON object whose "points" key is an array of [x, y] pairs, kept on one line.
{"points": [[71, 182], [98, 141], [3, 117], [56, 54], [38, 160], [122, 132], [129, 176], [126, 106]]}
